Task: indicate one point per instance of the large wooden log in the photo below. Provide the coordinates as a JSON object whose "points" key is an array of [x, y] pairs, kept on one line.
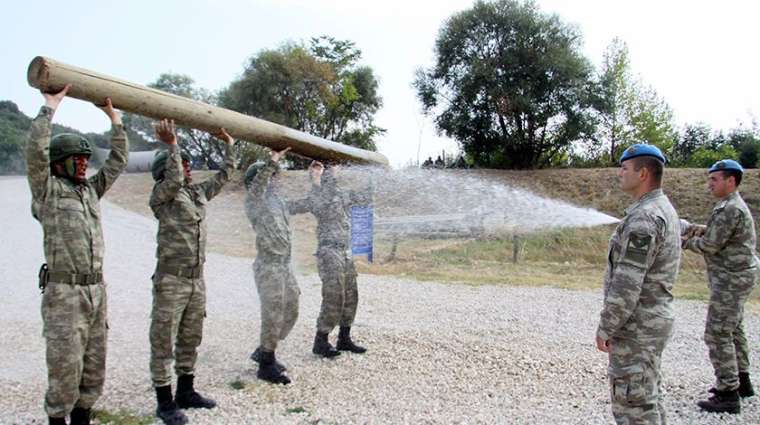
{"points": [[51, 76]]}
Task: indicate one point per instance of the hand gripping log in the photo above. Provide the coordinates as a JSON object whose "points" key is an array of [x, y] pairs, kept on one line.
{"points": [[51, 76]]}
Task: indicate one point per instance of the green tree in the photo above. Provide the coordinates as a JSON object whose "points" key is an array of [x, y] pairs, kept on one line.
{"points": [[705, 157], [510, 85], [317, 88], [13, 127], [692, 138], [202, 147], [630, 112], [747, 144]]}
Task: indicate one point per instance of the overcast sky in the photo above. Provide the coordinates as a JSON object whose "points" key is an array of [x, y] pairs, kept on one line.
{"points": [[700, 56]]}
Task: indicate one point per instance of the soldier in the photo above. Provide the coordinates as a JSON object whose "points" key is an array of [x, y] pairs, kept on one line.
{"points": [[637, 318], [340, 296], [272, 270], [74, 300], [728, 246], [179, 291]]}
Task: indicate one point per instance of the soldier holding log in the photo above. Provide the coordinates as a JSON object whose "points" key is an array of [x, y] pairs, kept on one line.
{"points": [[74, 302]]}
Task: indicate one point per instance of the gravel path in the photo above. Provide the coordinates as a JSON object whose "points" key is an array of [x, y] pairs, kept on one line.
{"points": [[438, 353]]}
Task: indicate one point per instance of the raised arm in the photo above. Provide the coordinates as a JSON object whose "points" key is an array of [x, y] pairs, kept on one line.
{"points": [[260, 182], [214, 185], [306, 204], [117, 158], [38, 148], [167, 189]]}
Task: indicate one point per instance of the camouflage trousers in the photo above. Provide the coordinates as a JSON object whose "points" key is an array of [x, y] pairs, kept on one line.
{"points": [[635, 379], [340, 295], [75, 330], [278, 293], [724, 327], [176, 326]]}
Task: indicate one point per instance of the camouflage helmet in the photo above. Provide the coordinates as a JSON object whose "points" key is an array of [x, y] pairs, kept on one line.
{"points": [[158, 164], [251, 172], [64, 145]]}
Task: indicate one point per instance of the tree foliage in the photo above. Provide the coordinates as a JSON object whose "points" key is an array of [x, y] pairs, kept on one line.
{"points": [[630, 111], [202, 147], [746, 142], [317, 88], [509, 84]]}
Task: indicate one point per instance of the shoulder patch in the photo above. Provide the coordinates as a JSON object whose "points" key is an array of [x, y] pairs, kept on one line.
{"points": [[637, 249]]}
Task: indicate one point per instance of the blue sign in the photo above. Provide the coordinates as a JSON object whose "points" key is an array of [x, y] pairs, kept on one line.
{"points": [[362, 231]]}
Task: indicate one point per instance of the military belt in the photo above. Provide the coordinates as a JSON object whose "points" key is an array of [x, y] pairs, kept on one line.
{"points": [[75, 278], [191, 272]]}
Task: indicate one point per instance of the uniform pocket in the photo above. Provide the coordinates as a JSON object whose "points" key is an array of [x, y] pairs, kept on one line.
{"points": [[633, 389]]}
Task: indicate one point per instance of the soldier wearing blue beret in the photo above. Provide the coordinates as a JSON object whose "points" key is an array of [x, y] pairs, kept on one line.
{"points": [[727, 243], [636, 321]]}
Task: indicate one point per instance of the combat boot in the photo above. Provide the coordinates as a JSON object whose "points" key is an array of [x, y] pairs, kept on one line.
{"points": [[745, 385], [56, 421], [188, 398], [167, 409], [268, 371], [345, 343], [322, 346], [722, 402], [256, 357], [80, 416]]}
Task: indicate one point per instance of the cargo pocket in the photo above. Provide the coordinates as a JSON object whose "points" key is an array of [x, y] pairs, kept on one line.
{"points": [[633, 389]]}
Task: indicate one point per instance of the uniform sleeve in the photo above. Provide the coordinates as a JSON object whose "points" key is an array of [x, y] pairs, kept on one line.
{"points": [[115, 164], [638, 241], [719, 230], [304, 205], [259, 184], [213, 186], [250, 210], [38, 157], [166, 189]]}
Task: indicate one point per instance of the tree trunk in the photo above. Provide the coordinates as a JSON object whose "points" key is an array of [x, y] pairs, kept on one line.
{"points": [[51, 76]]}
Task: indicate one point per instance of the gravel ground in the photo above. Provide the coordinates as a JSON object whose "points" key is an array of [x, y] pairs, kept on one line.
{"points": [[438, 353]]}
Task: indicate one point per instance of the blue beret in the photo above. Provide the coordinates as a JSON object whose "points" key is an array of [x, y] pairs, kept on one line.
{"points": [[725, 165], [641, 149]]}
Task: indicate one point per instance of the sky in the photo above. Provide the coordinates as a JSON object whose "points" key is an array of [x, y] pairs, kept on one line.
{"points": [[700, 56]]}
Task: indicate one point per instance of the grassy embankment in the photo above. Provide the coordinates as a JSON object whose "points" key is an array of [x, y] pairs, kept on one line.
{"points": [[566, 258]]}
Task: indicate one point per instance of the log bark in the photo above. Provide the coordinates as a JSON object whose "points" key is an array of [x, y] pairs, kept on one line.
{"points": [[51, 76]]}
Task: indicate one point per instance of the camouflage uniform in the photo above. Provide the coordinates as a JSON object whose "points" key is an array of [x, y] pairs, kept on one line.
{"points": [[272, 269], [74, 303], [179, 291], [637, 318], [728, 246], [332, 208]]}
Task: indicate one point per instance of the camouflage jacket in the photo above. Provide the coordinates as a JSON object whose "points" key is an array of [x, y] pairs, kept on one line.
{"points": [[331, 206], [642, 265], [729, 240], [181, 211], [70, 213], [268, 214]]}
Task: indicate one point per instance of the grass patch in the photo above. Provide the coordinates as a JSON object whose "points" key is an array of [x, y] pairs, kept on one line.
{"points": [[565, 258], [291, 410], [237, 384], [120, 418]]}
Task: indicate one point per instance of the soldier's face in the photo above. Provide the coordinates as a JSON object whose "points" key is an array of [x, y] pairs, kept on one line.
{"points": [[718, 185], [629, 177], [80, 167], [187, 171]]}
